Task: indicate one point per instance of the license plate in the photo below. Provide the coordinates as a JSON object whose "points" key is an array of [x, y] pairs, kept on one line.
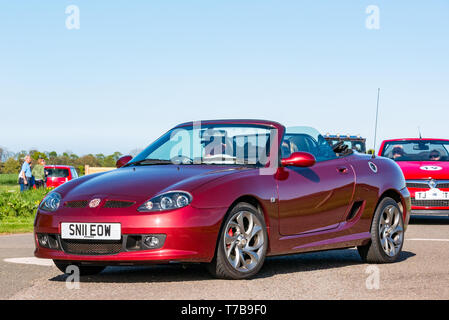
{"points": [[94, 231], [432, 194]]}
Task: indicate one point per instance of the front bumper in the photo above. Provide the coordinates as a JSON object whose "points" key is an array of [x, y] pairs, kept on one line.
{"points": [[406, 204], [427, 212], [190, 234], [428, 207]]}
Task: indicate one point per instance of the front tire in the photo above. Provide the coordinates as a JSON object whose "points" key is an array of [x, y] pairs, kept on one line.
{"points": [[84, 270], [387, 234], [242, 244]]}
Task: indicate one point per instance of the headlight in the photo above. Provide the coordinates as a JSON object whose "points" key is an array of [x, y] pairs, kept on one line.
{"points": [[167, 201], [51, 202]]}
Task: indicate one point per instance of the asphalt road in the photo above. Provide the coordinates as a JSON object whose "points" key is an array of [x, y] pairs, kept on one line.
{"points": [[421, 273]]}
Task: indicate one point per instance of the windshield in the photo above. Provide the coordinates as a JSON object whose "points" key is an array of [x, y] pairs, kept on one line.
{"points": [[210, 144], [417, 150], [57, 173]]}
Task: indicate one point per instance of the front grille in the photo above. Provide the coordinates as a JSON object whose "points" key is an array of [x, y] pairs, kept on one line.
{"points": [[76, 204], [430, 203], [118, 204], [442, 184], [422, 185], [89, 247]]}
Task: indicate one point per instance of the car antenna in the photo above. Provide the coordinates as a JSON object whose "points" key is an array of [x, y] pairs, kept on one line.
{"points": [[375, 127], [419, 131]]}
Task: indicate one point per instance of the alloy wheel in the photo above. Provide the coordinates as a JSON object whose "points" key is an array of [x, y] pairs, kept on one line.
{"points": [[391, 231], [244, 241]]}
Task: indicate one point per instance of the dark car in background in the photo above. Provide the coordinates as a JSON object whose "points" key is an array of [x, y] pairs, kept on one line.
{"points": [[356, 143], [59, 174]]}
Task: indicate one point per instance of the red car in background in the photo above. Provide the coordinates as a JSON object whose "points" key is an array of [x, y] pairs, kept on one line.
{"points": [[59, 174], [425, 164]]}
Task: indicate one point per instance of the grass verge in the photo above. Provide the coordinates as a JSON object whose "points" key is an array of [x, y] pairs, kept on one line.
{"points": [[16, 225]]}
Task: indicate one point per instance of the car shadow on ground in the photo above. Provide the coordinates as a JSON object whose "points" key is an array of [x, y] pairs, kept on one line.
{"points": [[196, 272], [315, 261], [429, 220]]}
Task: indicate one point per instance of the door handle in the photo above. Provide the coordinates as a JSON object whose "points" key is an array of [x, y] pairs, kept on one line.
{"points": [[342, 169]]}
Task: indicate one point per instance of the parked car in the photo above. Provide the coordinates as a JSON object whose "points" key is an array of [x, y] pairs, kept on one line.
{"points": [[355, 143], [59, 174], [227, 193], [425, 164]]}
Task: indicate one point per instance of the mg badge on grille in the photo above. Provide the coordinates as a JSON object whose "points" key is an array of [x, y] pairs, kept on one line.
{"points": [[94, 203]]}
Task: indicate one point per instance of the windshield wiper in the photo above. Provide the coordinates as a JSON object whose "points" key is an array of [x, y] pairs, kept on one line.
{"points": [[145, 162]]}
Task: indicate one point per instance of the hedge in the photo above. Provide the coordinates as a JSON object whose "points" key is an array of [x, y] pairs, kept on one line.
{"points": [[16, 204]]}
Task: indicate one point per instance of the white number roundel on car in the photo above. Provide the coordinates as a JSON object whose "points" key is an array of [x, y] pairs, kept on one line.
{"points": [[430, 168]]}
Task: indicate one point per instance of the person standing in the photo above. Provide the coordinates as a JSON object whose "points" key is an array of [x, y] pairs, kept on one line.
{"points": [[38, 173], [25, 174], [45, 173]]}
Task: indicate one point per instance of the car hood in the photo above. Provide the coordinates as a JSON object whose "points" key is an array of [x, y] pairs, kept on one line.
{"points": [[144, 182], [425, 169]]}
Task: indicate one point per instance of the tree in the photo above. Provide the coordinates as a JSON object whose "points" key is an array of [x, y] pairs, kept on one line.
{"points": [[11, 166], [100, 157], [5, 154], [109, 161], [116, 155], [36, 155], [21, 155], [52, 154], [90, 160]]}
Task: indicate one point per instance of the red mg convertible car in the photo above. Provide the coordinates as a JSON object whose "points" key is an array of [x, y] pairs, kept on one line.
{"points": [[425, 164], [227, 193]]}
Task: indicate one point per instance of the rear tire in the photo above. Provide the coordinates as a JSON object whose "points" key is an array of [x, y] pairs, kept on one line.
{"points": [[84, 270], [242, 244], [387, 234]]}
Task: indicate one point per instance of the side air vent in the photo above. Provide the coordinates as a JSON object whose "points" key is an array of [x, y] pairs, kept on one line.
{"points": [[76, 204], [354, 210]]}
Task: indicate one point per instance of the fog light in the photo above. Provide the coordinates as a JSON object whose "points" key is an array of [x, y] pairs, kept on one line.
{"points": [[43, 240], [49, 241], [151, 242]]}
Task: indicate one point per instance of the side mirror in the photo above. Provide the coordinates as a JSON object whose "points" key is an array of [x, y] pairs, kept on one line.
{"points": [[299, 159], [122, 161]]}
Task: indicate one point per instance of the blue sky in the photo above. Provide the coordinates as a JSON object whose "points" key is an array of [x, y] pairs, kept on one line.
{"points": [[135, 69]]}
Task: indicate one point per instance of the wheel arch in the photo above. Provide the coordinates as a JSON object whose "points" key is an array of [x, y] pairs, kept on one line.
{"points": [[396, 196], [254, 201]]}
